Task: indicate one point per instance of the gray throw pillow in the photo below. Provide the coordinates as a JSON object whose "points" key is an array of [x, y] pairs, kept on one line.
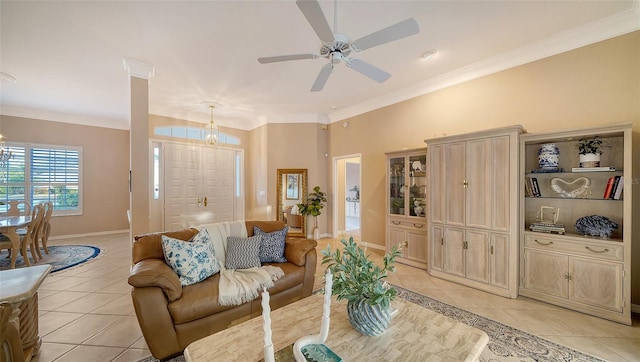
{"points": [[242, 253], [272, 245]]}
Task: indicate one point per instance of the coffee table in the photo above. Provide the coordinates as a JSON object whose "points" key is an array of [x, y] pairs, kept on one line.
{"points": [[415, 334]]}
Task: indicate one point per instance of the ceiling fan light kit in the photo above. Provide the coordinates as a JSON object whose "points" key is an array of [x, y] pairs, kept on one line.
{"points": [[337, 47]]}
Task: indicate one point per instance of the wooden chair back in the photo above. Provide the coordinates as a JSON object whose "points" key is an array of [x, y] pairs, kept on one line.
{"points": [[18, 208]]}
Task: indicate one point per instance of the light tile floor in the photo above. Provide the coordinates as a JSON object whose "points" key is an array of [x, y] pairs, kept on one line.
{"points": [[86, 312]]}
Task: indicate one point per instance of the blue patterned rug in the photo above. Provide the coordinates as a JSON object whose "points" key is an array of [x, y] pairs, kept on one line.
{"points": [[60, 257], [506, 344]]}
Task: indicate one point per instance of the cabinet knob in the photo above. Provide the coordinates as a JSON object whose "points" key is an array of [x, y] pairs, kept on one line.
{"points": [[465, 184], [405, 244], [205, 201]]}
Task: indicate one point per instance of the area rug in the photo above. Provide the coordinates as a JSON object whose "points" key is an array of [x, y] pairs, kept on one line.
{"points": [[60, 257], [505, 343]]}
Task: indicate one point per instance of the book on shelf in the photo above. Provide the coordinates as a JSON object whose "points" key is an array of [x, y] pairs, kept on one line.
{"points": [[607, 189], [616, 181], [536, 187], [618, 192], [593, 169], [531, 187], [547, 228], [618, 187]]}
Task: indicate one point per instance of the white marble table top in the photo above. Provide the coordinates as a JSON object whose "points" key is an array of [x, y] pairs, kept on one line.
{"points": [[21, 284], [415, 334]]}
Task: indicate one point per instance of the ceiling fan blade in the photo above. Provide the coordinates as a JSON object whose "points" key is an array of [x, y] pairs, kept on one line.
{"points": [[312, 11], [324, 74], [386, 35], [284, 58], [367, 69]]}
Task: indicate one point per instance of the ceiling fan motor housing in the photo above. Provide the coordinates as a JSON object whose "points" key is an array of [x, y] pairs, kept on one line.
{"points": [[337, 49]]}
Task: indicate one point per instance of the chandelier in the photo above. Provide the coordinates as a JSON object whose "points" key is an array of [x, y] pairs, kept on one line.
{"points": [[211, 133], [5, 152]]}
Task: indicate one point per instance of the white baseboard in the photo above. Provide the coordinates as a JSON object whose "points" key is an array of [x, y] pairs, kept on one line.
{"points": [[373, 246], [73, 236], [635, 308]]}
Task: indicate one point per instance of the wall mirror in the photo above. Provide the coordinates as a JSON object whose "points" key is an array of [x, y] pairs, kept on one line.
{"points": [[292, 190]]}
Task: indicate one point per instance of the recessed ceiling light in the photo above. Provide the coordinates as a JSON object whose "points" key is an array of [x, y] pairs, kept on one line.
{"points": [[6, 78], [429, 54]]}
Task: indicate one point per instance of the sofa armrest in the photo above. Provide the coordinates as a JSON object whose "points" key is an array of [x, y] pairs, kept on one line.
{"points": [[156, 273], [295, 250]]}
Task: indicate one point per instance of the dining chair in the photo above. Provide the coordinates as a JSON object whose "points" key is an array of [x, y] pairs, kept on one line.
{"points": [[45, 227], [18, 207], [27, 236]]}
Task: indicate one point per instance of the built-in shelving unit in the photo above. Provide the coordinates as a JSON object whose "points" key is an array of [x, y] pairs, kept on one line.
{"points": [[585, 273]]}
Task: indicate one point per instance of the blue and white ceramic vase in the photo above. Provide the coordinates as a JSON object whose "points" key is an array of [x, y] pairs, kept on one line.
{"points": [[548, 156], [370, 320]]}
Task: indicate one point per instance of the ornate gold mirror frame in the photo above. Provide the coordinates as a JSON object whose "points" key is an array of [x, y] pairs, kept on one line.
{"points": [[292, 190]]}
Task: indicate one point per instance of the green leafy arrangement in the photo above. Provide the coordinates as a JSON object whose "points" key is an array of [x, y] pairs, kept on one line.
{"points": [[356, 277], [590, 145], [314, 205]]}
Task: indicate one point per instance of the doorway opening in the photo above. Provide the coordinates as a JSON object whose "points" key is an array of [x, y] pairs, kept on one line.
{"points": [[347, 185]]}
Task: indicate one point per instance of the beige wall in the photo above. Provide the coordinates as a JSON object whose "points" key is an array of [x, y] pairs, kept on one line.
{"points": [[105, 168], [595, 85], [299, 145]]}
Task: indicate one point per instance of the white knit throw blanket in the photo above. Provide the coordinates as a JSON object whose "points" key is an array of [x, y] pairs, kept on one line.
{"points": [[240, 285]]}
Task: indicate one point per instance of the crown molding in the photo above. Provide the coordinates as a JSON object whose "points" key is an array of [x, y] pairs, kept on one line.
{"points": [[603, 29], [138, 68], [81, 119]]}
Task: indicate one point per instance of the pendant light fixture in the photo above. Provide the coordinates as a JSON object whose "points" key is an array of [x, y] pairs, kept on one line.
{"points": [[211, 133], [5, 152]]}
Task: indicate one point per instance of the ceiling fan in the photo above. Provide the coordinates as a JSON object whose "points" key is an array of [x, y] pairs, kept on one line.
{"points": [[337, 47]]}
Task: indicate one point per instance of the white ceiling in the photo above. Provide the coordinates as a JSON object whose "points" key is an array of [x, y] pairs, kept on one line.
{"points": [[67, 56]]}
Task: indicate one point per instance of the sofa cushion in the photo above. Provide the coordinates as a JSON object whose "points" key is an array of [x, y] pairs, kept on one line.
{"points": [[193, 261], [201, 299], [293, 275], [149, 246], [242, 253], [272, 245], [266, 226]]}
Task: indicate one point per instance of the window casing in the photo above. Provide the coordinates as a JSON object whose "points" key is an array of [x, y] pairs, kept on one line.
{"points": [[40, 173]]}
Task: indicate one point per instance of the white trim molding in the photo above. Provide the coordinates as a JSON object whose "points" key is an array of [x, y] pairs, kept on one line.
{"points": [[138, 69]]}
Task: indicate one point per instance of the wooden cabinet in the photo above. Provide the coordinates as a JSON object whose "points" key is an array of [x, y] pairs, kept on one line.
{"points": [[406, 205], [572, 279], [584, 273], [473, 189]]}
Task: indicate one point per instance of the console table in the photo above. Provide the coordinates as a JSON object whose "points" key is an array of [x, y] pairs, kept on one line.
{"points": [[19, 287], [415, 333]]}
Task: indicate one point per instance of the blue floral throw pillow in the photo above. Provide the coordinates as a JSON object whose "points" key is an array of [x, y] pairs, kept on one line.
{"points": [[193, 261], [242, 253], [272, 245]]}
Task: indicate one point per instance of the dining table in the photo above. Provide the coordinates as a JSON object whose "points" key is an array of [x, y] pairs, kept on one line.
{"points": [[8, 227]]}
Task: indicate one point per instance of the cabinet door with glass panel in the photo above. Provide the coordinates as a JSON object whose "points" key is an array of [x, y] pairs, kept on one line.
{"points": [[407, 184], [406, 205]]}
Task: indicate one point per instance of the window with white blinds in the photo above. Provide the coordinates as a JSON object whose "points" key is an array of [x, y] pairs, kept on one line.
{"points": [[38, 173]]}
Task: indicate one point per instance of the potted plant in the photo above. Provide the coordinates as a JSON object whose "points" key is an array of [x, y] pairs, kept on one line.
{"points": [[363, 284], [589, 151], [313, 206]]}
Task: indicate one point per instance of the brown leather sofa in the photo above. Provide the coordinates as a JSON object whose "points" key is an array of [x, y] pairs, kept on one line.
{"points": [[172, 316]]}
